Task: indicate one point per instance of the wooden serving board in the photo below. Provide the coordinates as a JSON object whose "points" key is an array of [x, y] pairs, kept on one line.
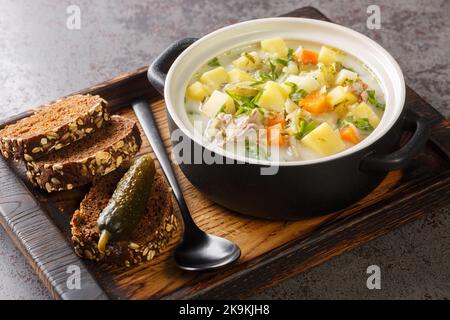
{"points": [[271, 251]]}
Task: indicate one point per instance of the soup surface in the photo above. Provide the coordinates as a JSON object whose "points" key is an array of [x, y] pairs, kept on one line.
{"points": [[284, 100]]}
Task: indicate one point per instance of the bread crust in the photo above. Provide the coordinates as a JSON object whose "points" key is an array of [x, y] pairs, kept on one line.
{"points": [[153, 233], [71, 174], [38, 145]]}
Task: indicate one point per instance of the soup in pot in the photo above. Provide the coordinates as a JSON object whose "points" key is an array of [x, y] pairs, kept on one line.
{"points": [[284, 100]]}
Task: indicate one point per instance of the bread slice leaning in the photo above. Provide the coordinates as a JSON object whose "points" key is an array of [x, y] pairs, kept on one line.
{"points": [[151, 235], [53, 127], [80, 162]]}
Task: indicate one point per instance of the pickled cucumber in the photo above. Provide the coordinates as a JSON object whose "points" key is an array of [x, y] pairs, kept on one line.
{"points": [[128, 202]]}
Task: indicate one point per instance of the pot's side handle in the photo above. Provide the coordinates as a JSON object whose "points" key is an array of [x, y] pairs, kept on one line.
{"points": [[400, 158], [158, 69]]}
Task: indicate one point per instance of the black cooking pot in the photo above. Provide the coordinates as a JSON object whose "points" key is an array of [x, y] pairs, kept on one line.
{"points": [[296, 190]]}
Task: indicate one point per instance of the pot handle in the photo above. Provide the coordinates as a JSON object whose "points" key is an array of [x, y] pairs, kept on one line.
{"points": [[158, 69], [400, 158]]}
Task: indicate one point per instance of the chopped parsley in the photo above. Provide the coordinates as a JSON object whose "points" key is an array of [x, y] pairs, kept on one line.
{"points": [[373, 100], [290, 54], [214, 62], [246, 104], [360, 123], [296, 94], [304, 127], [281, 61]]}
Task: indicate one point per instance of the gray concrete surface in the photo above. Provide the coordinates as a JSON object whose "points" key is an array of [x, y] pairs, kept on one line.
{"points": [[40, 60]]}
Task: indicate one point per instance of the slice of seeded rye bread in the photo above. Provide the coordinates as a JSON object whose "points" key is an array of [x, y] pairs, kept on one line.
{"points": [[151, 235], [53, 127], [77, 164]]}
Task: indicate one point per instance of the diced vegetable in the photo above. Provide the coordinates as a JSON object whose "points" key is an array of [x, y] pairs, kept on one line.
{"points": [[275, 46], [306, 82], [214, 78], [218, 101], [363, 110], [290, 106], [323, 140], [247, 61], [327, 55], [272, 97], [339, 95], [308, 57], [237, 75], [275, 136], [244, 90], [197, 91], [341, 110], [315, 102], [292, 68], [344, 75], [350, 133], [278, 119]]}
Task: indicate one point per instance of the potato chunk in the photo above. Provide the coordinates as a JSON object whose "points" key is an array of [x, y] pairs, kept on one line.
{"points": [[248, 61], [275, 46], [273, 97], [215, 103], [328, 56], [214, 78], [339, 95], [306, 82], [363, 110], [344, 75], [197, 91], [323, 140], [237, 75]]}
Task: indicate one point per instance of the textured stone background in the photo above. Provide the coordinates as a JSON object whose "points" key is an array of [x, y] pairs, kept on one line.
{"points": [[40, 60]]}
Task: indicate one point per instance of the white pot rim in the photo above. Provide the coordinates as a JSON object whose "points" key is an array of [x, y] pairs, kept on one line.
{"points": [[379, 61]]}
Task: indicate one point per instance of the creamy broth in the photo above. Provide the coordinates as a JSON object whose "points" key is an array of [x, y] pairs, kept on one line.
{"points": [[303, 100]]}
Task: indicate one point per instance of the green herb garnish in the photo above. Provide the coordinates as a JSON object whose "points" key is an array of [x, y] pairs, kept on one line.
{"points": [[281, 61], [296, 94], [361, 123], [222, 109], [373, 100], [246, 104], [303, 128], [257, 83], [214, 62], [290, 54]]}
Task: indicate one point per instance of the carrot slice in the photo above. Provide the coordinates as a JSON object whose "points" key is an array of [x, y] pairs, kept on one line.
{"points": [[309, 57], [275, 120], [350, 133], [274, 136], [315, 102]]}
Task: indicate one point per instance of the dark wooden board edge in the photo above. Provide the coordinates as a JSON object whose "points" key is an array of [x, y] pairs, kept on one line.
{"points": [[296, 256], [41, 242], [338, 235]]}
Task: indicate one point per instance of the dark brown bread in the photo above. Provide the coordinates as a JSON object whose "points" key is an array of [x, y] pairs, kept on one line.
{"points": [[77, 164], [53, 127], [150, 236]]}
